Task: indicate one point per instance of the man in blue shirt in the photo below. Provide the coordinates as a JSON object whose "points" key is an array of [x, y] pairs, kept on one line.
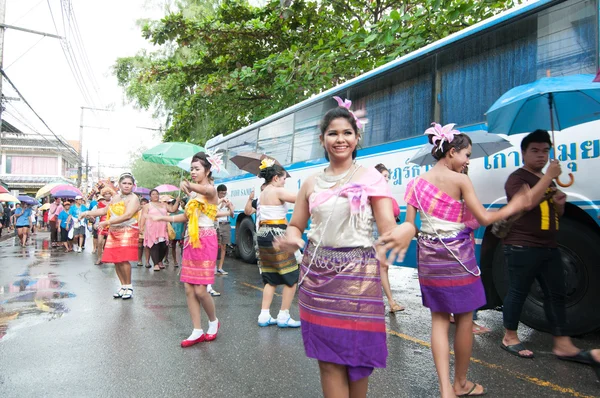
{"points": [[78, 226], [63, 226]]}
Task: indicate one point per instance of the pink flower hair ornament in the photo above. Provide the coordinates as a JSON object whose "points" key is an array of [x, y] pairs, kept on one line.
{"points": [[347, 104], [215, 160], [441, 134]]}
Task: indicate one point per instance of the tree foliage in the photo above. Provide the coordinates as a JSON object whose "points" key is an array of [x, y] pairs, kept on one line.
{"points": [[217, 71]]}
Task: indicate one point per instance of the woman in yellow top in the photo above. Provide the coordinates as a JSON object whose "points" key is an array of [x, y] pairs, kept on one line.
{"points": [[200, 248], [122, 240]]}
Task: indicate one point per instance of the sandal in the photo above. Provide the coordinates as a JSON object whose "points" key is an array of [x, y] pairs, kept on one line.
{"points": [[156, 268], [472, 393], [515, 350], [128, 295], [396, 308], [120, 293], [583, 357], [148, 265], [479, 330], [161, 266], [98, 263]]}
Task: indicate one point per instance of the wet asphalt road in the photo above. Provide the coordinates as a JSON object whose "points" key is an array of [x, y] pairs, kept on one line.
{"points": [[62, 334]]}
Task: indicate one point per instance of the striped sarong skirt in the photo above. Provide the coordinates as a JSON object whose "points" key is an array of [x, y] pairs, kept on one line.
{"points": [[278, 267], [342, 310], [446, 286], [198, 264]]}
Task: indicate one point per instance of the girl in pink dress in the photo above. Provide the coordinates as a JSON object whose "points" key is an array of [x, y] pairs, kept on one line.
{"points": [[200, 248]]}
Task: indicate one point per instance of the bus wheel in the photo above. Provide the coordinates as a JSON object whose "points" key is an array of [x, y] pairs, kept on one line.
{"points": [[580, 251], [244, 241]]}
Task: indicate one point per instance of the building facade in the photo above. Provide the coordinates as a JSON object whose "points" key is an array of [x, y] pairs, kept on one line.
{"points": [[28, 162]]}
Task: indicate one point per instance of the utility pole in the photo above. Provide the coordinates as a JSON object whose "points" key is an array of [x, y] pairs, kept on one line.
{"points": [[87, 169], [81, 126], [2, 16]]}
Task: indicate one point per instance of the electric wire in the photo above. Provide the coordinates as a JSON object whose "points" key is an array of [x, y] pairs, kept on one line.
{"points": [[66, 145]]}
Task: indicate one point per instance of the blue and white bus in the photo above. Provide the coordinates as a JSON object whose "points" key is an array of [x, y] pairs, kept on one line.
{"points": [[455, 80]]}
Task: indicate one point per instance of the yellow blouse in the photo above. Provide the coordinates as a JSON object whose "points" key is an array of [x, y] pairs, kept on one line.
{"points": [[192, 209], [118, 209]]}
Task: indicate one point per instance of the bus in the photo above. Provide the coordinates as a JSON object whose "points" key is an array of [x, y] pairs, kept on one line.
{"points": [[455, 80]]}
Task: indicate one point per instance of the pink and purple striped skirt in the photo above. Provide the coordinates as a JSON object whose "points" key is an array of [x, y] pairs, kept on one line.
{"points": [[342, 310], [446, 286]]}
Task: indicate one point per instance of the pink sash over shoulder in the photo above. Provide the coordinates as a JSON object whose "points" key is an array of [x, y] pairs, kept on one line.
{"points": [[448, 273]]}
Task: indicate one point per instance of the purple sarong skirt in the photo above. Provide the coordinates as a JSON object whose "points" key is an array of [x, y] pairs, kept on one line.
{"points": [[342, 310], [445, 284]]}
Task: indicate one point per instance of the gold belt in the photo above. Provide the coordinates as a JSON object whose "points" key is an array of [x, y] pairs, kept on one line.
{"points": [[274, 222]]}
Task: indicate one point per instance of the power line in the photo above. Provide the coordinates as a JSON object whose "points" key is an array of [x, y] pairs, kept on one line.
{"points": [[36, 114], [22, 55]]}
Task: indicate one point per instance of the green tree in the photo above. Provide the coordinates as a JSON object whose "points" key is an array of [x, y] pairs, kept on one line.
{"points": [[215, 72]]}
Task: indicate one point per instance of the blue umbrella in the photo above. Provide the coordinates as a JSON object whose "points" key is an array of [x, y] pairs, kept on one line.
{"points": [[27, 199], [547, 103]]}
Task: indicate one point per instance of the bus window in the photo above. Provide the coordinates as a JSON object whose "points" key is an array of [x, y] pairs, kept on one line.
{"points": [[275, 139], [306, 138], [242, 143], [560, 40]]}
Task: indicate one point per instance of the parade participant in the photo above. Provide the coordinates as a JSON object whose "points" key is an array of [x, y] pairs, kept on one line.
{"points": [[340, 267], [79, 225], [122, 224], [278, 267], [53, 212], [448, 273], [22, 218], [156, 236], [64, 224], [224, 226], [531, 252], [385, 279], [179, 228], [200, 249], [6, 218], [105, 197], [142, 250]]}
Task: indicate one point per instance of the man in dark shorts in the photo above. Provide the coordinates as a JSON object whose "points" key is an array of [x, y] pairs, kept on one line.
{"points": [[224, 229], [79, 225], [63, 225], [531, 251]]}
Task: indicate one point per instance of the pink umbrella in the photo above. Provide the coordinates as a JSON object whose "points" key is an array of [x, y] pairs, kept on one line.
{"points": [[3, 190], [166, 188], [66, 187]]}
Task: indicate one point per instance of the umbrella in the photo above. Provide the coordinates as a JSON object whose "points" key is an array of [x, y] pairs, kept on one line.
{"points": [[45, 206], [27, 200], [3, 190], [5, 197], [65, 187], [171, 153], [65, 194], [484, 144], [166, 188], [547, 103], [141, 191], [250, 161], [185, 165], [45, 190]]}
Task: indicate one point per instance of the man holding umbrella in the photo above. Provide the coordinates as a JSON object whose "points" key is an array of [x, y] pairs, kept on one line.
{"points": [[55, 209], [531, 251]]}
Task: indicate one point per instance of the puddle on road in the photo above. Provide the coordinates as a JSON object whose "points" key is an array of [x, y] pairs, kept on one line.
{"points": [[35, 295]]}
